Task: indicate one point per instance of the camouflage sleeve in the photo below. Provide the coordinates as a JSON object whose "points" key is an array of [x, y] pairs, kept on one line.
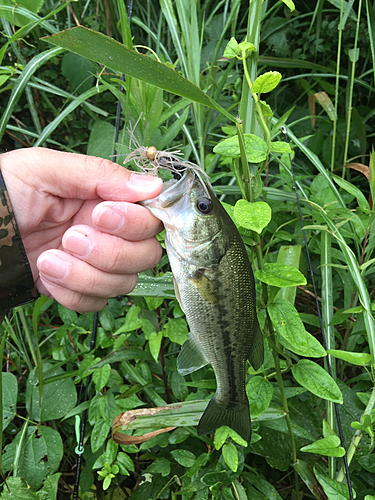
{"points": [[16, 280]]}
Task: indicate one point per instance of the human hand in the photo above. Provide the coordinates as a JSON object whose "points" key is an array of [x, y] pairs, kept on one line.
{"points": [[84, 236]]}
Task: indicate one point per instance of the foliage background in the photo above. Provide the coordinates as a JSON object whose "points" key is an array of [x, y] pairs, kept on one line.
{"points": [[51, 97]]}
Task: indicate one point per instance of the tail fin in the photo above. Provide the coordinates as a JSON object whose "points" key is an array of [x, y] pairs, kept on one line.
{"points": [[217, 415]]}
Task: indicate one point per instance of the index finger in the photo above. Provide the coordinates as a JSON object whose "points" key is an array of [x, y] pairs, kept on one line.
{"points": [[129, 221], [71, 175]]}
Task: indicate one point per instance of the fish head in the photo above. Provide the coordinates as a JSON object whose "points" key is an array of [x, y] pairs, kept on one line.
{"points": [[193, 218]]}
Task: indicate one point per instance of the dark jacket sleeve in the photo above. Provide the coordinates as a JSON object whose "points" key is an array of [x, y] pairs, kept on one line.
{"points": [[16, 281]]}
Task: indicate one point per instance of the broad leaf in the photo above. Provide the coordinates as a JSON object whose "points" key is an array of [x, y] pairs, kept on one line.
{"points": [[260, 392], [314, 378], [266, 82], [280, 275], [333, 489], [293, 334], [355, 358], [230, 456], [255, 216], [328, 446], [256, 148]]}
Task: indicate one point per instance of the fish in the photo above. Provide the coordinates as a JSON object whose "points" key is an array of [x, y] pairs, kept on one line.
{"points": [[215, 287]]}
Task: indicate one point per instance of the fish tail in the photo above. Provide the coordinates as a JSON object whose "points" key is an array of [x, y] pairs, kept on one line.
{"points": [[218, 414]]}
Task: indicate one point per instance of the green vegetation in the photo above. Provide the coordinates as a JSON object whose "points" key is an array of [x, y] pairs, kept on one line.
{"points": [[218, 81]]}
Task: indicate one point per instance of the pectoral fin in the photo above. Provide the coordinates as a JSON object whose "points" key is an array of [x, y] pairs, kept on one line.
{"points": [[191, 358], [177, 292], [205, 287]]}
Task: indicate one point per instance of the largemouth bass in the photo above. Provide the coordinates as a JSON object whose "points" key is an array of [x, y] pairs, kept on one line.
{"points": [[214, 285]]}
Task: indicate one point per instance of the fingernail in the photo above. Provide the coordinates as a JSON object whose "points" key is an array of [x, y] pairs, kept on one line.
{"points": [[77, 243], [147, 182], [52, 266], [109, 219]]}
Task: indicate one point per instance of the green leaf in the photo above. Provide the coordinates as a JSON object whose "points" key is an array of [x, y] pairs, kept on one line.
{"points": [[16, 18], [355, 358], [198, 464], [39, 455], [256, 148], [176, 330], [99, 434], [183, 457], [315, 379], [328, 446], [79, 72], [260, 392], [289, 4], [9, 391], [108, 52], [327, 430], [67, 316], [368, 463], [20, 490], [293, 335], [132, 321], [244, 46], [101, 376], [266, 109], [150, 286], [58, 397], [49, 490], [154, 343], [255, 216], [125, 462], [221, 435], [280, 147], [266, 82], [101, 140], [237, 438], [333, 489], [353, 190], [230, 456], [232, 49], [154, 302], [160, 466], [280, 275]]}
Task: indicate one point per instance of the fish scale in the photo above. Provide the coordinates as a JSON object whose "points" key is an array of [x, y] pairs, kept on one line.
{"points": [[214, 284]]}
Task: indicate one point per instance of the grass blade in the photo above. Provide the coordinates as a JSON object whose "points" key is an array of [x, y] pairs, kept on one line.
{"points": [[329, 331], [22, 81], [47, 131], [104, 50]]}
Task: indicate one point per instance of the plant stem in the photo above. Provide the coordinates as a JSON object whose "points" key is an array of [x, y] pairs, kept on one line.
{"points": [[269, 332], [327, 314], [351, 86], [337, 88], [357, 437], [247, 112]]}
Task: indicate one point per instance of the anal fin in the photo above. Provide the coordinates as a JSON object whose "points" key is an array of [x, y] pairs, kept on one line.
{"points": [[191, 358]]}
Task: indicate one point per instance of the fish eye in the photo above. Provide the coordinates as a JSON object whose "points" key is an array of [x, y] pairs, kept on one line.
{"points": [[204, 205]]}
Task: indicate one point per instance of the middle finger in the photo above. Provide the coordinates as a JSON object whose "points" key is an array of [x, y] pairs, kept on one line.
{"points": [[110, 253]]}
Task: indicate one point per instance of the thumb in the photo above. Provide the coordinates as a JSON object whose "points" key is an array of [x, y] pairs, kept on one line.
{"points": [[71, 175]]}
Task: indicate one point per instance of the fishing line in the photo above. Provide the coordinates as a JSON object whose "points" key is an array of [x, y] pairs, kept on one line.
{"points": [[339, 426], [81, 431]]}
